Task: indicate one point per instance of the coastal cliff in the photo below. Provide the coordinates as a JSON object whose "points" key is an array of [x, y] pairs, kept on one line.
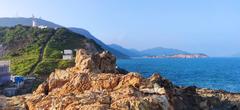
{"points": [[95, 83]]}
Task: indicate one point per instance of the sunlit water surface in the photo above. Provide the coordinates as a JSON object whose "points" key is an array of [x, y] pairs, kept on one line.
{"points": [[214, 73]]}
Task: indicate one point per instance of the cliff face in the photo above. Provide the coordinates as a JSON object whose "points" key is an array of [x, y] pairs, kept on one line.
{"points": [[95, 84]]}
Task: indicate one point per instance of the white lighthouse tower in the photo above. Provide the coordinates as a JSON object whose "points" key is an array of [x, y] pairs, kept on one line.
{"points": [[34, 23]]}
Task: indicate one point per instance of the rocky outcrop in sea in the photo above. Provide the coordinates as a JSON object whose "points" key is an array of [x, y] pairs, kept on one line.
{"points": [[95, 83]]}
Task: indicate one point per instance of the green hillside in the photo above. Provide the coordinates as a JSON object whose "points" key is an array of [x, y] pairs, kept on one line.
{"points": [[11, 21], [38, 51]]}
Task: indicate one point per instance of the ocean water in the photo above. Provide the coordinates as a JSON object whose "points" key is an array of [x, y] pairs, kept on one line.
{"points": [[214, 73]]}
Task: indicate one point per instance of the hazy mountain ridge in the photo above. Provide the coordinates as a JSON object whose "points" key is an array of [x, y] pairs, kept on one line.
{"points": [[9, 22], [162, 51], [104, 46], [158, 51], [129, 52]]}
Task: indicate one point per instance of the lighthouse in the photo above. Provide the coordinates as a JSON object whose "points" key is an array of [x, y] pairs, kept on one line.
{"points": [[34, 23]]}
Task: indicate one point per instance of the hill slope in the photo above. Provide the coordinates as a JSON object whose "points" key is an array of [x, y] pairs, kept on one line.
{"points": [[117, 53], [9, 22], [38, 51]]}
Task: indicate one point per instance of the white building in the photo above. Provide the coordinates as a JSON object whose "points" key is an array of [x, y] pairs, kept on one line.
{"points": [[42, 27], [67, 55], [68, 52], [34, 24]]}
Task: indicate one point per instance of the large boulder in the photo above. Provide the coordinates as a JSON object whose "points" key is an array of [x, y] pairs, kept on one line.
{"points": [[87, 62]]}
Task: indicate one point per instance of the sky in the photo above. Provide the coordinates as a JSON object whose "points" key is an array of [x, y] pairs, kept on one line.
{"points": [[197, 26]]}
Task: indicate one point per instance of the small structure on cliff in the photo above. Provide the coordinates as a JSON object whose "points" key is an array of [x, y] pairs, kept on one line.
{"points": [[17, 85], [34, 23], [10, 91], [18, 80], [4, 72], [67, 55]]}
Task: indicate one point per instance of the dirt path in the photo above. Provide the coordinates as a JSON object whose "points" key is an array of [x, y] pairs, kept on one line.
{"points": [[40, 58]]}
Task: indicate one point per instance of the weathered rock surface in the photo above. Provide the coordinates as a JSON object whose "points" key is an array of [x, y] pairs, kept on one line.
{"points": [[95, 63], [13, 103], [95, 84]]}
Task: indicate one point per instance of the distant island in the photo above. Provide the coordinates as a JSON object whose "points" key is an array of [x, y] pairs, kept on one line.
{"points": [[180, 56], [236, 55], [158, 52]]}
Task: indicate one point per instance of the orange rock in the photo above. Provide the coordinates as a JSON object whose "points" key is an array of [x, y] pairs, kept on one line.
{"points": [[89, 85], [87, 62], [93, 84], [131, 79]]}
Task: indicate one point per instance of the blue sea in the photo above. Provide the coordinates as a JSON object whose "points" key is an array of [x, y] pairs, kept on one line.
{"points": [[214, 73]]}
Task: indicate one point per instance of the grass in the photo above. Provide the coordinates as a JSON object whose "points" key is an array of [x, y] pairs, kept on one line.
{"points": [[22, 46], [47, 66], [22, 64]]}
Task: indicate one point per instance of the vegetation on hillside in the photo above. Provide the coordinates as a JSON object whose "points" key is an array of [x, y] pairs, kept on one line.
{"points": [[22, 45]]}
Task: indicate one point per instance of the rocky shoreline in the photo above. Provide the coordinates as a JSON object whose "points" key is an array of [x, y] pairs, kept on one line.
{"points": [[94, 83]]}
